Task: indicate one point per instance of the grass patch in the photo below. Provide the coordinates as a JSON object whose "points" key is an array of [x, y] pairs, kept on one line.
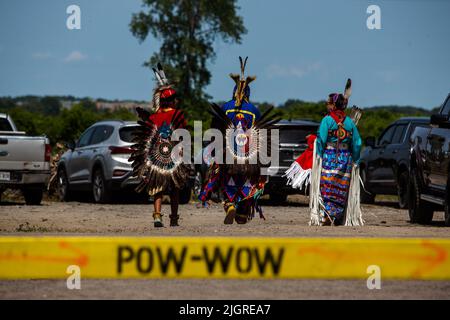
{"points": [[26, 227]]}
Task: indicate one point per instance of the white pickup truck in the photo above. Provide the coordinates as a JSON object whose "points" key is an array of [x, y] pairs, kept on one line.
{"points": [[24, 161]]}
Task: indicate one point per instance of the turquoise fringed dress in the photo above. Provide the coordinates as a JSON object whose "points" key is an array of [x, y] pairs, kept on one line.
{"points": [[338, 157]]}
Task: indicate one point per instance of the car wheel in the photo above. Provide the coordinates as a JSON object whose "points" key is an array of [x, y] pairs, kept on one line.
{"points": [[419, 211], [366, 197], [402, 190], [33, 196], [277, 198], [185, 195], [100, 190], [63, 186]]}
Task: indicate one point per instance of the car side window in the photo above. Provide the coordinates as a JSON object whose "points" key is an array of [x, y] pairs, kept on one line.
{"points": [[5, 125], [85, 138], [399, 133], [101, 134], [446, 109], [386, 137]]}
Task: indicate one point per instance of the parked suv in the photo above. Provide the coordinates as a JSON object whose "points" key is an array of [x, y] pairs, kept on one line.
{"points": [[98, 162], [292, 143], [430, 168], [385, 162]]}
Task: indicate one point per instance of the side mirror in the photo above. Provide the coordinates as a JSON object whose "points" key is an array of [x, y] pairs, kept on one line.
{"points": [[370, 142], [439, 119]]}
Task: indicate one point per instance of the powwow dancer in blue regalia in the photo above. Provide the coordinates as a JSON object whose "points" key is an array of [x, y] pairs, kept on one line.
{"points": [[241, 181], [335, 184]]}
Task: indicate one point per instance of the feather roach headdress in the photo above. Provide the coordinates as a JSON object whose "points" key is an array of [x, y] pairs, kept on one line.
{"points": [[242, 84], [163, 94]]}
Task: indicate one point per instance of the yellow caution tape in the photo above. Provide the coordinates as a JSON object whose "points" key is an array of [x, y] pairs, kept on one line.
{"points": [[174, 257]]}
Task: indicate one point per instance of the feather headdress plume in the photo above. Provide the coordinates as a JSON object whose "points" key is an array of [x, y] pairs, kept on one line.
{"points": [[242, 83], [161, 85], [160, 75], [348, 89], [341, 100]]}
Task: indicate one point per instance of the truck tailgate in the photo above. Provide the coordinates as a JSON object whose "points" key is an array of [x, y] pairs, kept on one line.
{"points": [[22, 153]]}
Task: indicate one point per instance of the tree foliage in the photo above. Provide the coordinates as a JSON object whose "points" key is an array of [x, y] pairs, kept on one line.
{"points": [[188, 30], [64, 126], [374, 120], [38, 116]]}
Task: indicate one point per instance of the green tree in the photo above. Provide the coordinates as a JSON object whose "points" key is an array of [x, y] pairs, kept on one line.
{"points": [[188, 30], [75, 121], [24, 120], [50, 105], [88, 104]]}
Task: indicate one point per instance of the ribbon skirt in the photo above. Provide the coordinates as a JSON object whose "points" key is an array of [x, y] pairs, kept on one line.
{"points": [[335, 181]]}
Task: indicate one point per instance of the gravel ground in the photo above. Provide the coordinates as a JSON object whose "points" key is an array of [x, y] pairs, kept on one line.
{"points": [[290, 220], [383, 219], [224, 289]]}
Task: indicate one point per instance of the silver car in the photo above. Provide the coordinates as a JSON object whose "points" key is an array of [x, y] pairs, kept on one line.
{"points": [[98, 162]]}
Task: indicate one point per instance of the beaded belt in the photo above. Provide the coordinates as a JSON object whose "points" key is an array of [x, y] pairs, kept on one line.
{"points": [[334, 145]]}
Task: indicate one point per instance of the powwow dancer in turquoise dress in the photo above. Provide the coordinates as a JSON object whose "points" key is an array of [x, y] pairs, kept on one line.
{"points": [[335, 185]]}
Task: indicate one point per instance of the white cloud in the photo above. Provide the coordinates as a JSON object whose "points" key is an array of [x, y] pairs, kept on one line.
{"points": [[75, 56], [41, 55], [276, 70]]}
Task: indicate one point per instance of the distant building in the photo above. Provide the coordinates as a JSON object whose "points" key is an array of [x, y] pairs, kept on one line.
{"points": [[114, 105], [67, 104], [110, 105]]}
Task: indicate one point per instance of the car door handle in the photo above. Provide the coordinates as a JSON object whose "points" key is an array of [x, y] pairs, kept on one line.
{"points": [[395, 151], [94, 150], [79, 152], [3, 141]]}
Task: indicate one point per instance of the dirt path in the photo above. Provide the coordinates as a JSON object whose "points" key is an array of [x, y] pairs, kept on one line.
{"points": [[291, 220]]}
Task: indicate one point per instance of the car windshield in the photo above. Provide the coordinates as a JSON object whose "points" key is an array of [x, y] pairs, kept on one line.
{"points": [[295, 135], [126, 133]]}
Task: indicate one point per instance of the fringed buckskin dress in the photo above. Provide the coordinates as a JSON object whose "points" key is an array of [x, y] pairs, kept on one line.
{"points": [[339, 145]]}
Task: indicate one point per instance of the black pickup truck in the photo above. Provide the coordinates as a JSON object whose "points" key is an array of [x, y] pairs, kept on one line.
{"points": [[385, 161], [292, 143], [429, 170]]}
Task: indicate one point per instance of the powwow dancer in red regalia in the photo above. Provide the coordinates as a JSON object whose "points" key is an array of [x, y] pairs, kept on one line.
{"points": [[152, 156]]}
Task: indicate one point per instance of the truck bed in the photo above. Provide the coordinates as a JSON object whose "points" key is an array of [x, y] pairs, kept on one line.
{"points": [[23, 153]]}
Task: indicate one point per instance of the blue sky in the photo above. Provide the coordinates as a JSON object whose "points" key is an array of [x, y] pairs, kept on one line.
{"points": [[297, 49]]}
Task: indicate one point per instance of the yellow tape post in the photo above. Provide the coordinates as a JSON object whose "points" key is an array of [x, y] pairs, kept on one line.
{"points": [[173, 257]]}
